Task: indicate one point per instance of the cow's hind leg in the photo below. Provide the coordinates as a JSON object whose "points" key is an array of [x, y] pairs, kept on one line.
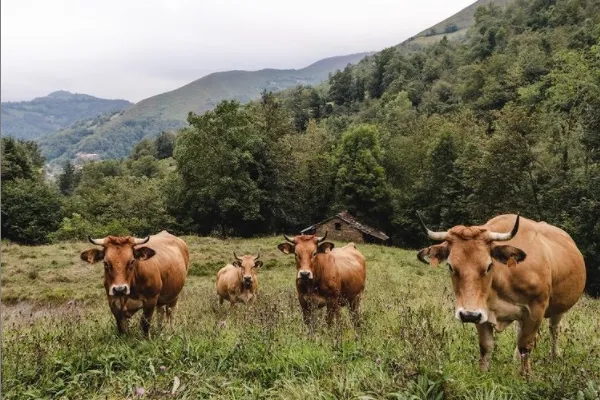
{"points": [[554, 330], [486, 344], [333, 310]]}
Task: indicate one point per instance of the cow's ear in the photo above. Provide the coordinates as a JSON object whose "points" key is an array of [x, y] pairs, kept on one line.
{"points": [[143, 253], [237, 264], [434, 255], [504, 253], [92, 255], [326, 247], [286, 248], [258, 264]]}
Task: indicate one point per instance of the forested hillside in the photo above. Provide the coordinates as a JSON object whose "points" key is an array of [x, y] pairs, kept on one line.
{"points": [[505, 122], [115, 137], [45, 115]]}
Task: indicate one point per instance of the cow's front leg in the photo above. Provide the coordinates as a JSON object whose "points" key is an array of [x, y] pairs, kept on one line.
{"points": [[527, 335], [486, 344], [333, 310], [149, 307], [307, 315], [122, 322]]}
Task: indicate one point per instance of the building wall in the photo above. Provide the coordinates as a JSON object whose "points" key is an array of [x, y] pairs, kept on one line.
{"points": [[347, 233]]}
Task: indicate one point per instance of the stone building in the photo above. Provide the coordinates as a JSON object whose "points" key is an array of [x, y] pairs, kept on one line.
{"points": [[345, 228]]}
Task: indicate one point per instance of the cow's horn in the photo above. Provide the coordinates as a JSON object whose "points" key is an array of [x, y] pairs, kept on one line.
{"points": [[138, 241], [288, 238], [499, 237], [98, 242], [236, 257], [441, 236], [258, 256], [321, 238]]}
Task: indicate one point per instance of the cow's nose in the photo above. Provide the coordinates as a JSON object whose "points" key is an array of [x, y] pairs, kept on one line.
{"points": [[120, 290], [469, 316], [248, 278], [304, 274]]}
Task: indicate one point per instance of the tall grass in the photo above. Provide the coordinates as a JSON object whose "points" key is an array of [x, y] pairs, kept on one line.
{"points": [[59, 338]]}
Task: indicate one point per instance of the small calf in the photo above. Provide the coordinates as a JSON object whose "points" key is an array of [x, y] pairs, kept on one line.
{"points": [[237, 282]]}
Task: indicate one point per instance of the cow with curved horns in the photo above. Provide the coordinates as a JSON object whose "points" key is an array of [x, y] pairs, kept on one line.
{"points": [[326, 276], [237, 282], [141, 274], [500, 276]]}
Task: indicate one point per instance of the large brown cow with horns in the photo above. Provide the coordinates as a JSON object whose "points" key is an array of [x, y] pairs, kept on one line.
{"points": [[141, 274], [326, 276], [237, 282], [500, 276]]}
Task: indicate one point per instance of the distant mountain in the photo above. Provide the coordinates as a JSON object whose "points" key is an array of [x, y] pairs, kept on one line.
{"points": [[118, 134], [44, 115], [454, 27]]}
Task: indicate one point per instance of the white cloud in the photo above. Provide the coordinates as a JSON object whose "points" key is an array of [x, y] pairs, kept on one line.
{"points": [[134, 49]]}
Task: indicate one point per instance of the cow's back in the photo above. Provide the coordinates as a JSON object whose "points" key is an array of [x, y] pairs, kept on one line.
{"points": [[551, 255], [350, 264], [171, 260]]}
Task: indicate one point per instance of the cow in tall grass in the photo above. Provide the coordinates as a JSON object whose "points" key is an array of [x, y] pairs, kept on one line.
{"points": [[237, 282], [326, 276], [141, 274], [500, 276]]}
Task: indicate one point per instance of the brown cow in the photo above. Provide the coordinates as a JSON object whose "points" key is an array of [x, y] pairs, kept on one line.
{"points": [[141, 277], [326, 276], [537, 274], [237, 282]]}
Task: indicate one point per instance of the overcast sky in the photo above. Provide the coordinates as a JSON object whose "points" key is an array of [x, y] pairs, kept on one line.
{"points": [[134, 49]]}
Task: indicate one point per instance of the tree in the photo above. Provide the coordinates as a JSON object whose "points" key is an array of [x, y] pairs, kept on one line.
{"points": [[361, 185], [216, 158], [145, 147], [68, 179], [31, 210], [165, 144], [20, 160], [340, 89]]}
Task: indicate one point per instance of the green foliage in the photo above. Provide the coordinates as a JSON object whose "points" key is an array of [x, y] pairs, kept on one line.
{"points": [[165, 144], [30, 211], [68, 179], [361, 185], [20, 160]]}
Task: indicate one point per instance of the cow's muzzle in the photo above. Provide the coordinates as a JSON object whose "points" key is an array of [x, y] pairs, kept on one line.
{"points": [[305, 275], [119, 290], [247, 280], [475, 317]]}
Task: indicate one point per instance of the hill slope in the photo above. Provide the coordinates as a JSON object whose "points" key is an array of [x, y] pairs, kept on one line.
{"points": [[45, 115], [454, 27], [116, 136]]}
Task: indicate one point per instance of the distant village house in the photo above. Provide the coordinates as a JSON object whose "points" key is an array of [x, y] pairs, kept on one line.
{"points": [[345, 228]]}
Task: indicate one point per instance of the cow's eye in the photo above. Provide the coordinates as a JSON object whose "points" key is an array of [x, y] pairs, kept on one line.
{"points": [[489, 268], [450, 267], [131, 263], [106, 265]]}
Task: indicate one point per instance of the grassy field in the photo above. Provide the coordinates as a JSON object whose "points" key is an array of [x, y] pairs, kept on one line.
{"points": [[59, 339]]}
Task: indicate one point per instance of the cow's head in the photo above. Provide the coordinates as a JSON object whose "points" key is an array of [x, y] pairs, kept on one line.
{"points": [[120, 256], [305, 248], [248, 265], [471, 253]]}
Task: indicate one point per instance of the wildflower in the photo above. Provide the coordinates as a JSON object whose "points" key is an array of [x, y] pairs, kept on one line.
{"points": [[140, 391]]}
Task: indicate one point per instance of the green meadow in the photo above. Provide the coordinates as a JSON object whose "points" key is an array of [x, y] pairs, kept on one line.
{"points": [[59, 339]]}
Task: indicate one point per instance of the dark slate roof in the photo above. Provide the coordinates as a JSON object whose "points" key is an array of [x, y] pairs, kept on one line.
{"points": [[350, 220]]}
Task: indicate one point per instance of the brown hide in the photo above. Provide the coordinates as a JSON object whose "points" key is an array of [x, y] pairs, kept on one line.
{"points": [[539, 272], [230, 280], [154, 273]]}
